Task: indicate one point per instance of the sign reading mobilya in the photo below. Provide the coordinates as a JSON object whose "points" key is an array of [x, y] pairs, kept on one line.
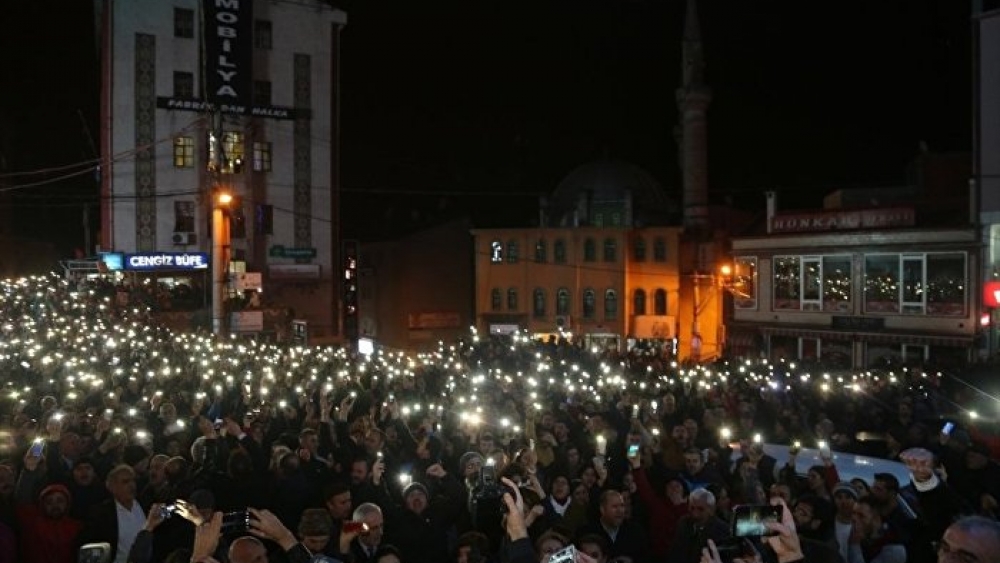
{"points": [[228, 51], [166, 261]]}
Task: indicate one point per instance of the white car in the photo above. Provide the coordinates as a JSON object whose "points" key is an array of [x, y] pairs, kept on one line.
{"points": [[849, 466]]}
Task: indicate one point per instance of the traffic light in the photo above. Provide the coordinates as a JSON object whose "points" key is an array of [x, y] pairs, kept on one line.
{"points": [[350, 289]]}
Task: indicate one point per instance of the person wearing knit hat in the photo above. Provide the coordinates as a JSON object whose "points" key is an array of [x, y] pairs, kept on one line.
{"points": [[46, 531], [412, 494]]}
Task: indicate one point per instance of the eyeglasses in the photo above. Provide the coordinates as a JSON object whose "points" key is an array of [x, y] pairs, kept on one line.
{"points": [[947, 553]]}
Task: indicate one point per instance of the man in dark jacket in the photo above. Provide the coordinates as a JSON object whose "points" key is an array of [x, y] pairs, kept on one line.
{"points": [[421, 526], [694, 530], [625, 538]]}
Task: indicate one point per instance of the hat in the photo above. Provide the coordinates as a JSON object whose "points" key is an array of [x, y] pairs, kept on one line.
{"points": [[55, 488], [415, 487], [846, 488], [467, 458], [202, 498]]}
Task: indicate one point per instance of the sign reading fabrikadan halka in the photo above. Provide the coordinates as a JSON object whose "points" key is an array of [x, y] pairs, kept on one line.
{"points": [[228, 32]]}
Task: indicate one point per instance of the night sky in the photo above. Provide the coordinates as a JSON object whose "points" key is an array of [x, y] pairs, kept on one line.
{"points": [[477, 107]]}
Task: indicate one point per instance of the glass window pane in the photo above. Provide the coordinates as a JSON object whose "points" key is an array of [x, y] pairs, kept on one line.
{"points": [[745, 282], [837, 283], [539, 302], [559, 252], [610, 304], [589, 250], [610, 250], [562, 301], [787, 277], [589, 300], [639, 250], [660, 302], [882, 283], [913, 280], [946, 284], [496, 300], [639, 302]]}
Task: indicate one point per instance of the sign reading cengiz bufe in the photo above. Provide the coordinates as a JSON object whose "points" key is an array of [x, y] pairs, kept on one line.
{"points": [[228, 31], [167, 261]]}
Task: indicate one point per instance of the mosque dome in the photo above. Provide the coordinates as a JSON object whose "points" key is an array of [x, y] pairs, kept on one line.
{"points": [[609, 184]]}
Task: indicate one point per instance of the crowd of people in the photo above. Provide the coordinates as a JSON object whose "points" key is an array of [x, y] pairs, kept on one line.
{"points": [[125, 440]]}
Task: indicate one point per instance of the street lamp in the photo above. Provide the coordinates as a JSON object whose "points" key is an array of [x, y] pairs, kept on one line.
{"points": [[220, 257]]}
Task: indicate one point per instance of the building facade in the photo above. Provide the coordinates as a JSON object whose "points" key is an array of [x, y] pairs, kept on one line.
{"points": [[236, 96], [856, 288], [603, 285]]}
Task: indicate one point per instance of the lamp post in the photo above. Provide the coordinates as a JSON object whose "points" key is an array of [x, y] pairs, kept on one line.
{"points": [[220, 258]]}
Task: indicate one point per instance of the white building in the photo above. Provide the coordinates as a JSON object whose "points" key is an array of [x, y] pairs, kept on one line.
{"points": [[239, 95]]}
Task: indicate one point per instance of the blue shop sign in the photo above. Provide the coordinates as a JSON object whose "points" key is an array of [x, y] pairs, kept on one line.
{"points": [[167, 261]]}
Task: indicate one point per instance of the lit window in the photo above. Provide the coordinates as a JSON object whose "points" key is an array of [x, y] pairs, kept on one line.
{"points": [[261, 156], [183, 23], [496, 252], [183, 152], [226, 156]]}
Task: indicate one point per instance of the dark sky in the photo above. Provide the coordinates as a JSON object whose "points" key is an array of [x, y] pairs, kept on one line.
{"points": [[451, 102]]}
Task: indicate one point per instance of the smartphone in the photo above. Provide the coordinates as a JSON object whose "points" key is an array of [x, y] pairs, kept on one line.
{"points": [[633, 450], [109, 414], [236, 522], [354, 527], [564, 555], [947, 428], [824, 448], [167, 510], [94, 553], [749, 520], [37, 447]]}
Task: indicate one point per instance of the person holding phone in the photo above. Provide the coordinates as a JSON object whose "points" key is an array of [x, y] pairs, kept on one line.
{"points": [[46, 528], [665, 511]]}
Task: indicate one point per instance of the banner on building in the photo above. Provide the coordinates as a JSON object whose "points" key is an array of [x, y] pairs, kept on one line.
{"points": [[228, 29]]}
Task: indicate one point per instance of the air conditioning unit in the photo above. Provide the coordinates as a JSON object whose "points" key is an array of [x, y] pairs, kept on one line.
{"points": [[563, 321], [185, 239]]}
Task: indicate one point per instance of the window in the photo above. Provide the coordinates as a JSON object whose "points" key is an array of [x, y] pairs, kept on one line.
{"points": [[261, 156], [562, 301], [184, 85], [659, 250], [184, 216], [610, 250], [538, 303], [261, 93], [660, 302], [496, 252], [226, 155], [183, 152], [616, 219], [264, 219], [262, 34], [610, 304], [589, 250], [837, 283], [946, 284], [496, 300], [589, 303], [787, 282], [933, 284], [512, 252], [540, 251], [559, 252], [512, 299], [639, 302], [744, 284], [639, 250], [183, 23]]}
